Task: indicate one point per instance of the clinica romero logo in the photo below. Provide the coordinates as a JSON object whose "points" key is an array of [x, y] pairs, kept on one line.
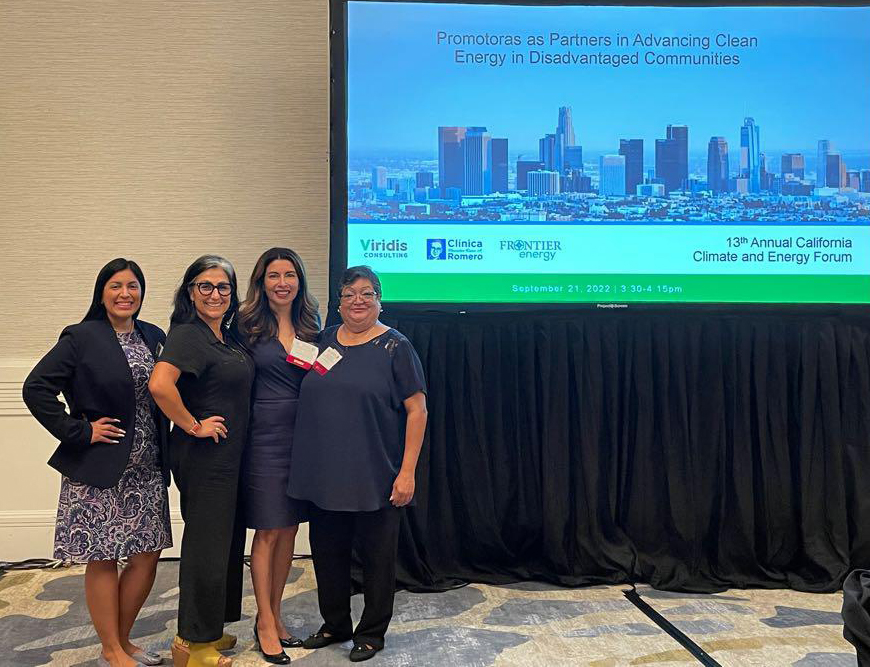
{"points": [[436, 248], [454, 249]]}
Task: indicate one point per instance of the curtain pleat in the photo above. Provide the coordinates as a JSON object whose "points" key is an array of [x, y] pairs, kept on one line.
{"points": [[691, 451]]}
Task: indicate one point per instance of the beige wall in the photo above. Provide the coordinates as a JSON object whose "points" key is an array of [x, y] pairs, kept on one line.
{"points": [[156, 130]]}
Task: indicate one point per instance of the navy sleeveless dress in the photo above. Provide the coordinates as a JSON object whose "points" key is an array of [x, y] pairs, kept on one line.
{"points": [[266, 465]]}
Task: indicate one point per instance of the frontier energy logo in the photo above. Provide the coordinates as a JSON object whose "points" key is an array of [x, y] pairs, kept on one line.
{"points": [[384, 248], [545, 250], [455, 249]]}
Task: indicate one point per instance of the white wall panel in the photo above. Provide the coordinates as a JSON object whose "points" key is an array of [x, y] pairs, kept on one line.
{"points": [[158, 131]]}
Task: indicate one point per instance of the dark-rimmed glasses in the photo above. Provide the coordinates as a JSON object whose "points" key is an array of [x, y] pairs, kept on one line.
{"points": [[366, 296], [206, 288]]}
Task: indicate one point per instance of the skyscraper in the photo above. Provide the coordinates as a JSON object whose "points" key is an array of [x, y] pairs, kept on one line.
{"points": [[499, 151], [573, 159], [750, 149], [425, 179], [717, 165], [402, 187], [543, 182], [564, 138], [451, 164], [764, 177], [477, 157], [680, 134], [834, 171], [793, 163], [632, 151], [523, 168], [667, 164], [547, 151], [611, 175], [379, 178], [825, 147], [865, 180]]}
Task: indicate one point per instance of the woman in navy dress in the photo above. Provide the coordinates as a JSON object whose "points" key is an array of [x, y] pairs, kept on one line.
{"points": [[113, 500], [278, 310]]}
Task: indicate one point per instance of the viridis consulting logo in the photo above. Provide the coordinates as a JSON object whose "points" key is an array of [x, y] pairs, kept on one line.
{"points": [[395, 248]]}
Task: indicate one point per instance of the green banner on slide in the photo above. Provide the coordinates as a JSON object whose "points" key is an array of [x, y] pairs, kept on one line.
{"points": [[604, 288]]}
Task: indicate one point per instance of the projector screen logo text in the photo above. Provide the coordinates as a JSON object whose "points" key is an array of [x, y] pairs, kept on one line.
{"points": [[543, 250], [454, 249], [384, 248]]}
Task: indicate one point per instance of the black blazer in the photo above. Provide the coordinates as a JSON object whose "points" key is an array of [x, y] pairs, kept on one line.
{"points": [[88, 366]]}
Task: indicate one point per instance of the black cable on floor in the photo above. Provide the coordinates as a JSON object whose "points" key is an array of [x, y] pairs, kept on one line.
{"points": [[52, 563], [700, 654], [29, 564]]}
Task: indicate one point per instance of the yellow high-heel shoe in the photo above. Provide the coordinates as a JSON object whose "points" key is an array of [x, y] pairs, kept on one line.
{"points": [[193, 654], [226, 642]]}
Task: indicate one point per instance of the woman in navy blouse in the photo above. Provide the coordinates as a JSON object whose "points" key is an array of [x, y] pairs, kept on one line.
{"points": [[359, 430]]}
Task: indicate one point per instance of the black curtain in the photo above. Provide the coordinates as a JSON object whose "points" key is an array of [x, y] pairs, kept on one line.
{"points": [[692, 451]]}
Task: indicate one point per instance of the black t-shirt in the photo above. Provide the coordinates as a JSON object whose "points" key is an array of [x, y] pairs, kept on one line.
{"points": [[350, 428], [216, 378]]}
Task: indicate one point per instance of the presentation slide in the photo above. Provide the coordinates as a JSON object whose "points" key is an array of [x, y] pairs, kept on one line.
{"points": [[532, 154]]}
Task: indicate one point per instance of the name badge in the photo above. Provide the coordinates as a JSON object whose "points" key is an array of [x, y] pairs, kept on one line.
{"points": [[302, 354], [328, 358]]}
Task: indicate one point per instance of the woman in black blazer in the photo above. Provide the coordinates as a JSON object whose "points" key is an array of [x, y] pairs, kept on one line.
{"points": [[113, 499]]}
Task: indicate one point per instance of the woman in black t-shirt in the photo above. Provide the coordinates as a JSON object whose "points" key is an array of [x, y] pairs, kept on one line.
{"points": [[202, 382], [358, 435]]}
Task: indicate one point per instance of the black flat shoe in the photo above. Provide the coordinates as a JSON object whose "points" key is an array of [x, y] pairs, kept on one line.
{"points": [[272, 658], [290, 642], [361, 652], [319, 640]]}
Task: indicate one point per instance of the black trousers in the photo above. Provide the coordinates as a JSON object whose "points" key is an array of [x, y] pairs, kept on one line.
{"points": [[332, 536], [212, 549]]}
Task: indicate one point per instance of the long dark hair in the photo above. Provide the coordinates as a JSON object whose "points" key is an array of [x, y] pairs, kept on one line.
{"points": [[256, 319], [183, 309], [97, 311]]}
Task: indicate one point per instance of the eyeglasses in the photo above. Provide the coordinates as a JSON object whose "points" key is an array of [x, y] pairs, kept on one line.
{"points": [[367, 297], [205, 288]]}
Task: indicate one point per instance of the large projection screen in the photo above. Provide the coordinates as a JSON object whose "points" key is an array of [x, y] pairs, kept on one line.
{"points": [[506, 153]]}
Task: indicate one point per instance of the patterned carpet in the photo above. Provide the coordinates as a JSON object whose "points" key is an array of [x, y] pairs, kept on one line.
{"points": [[44, 621]]}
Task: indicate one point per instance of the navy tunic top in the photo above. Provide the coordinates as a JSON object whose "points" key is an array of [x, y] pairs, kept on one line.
{"points": [[350, 429]]}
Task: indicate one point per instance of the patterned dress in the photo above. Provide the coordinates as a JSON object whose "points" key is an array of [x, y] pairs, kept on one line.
{"points": [[133, 516]]}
